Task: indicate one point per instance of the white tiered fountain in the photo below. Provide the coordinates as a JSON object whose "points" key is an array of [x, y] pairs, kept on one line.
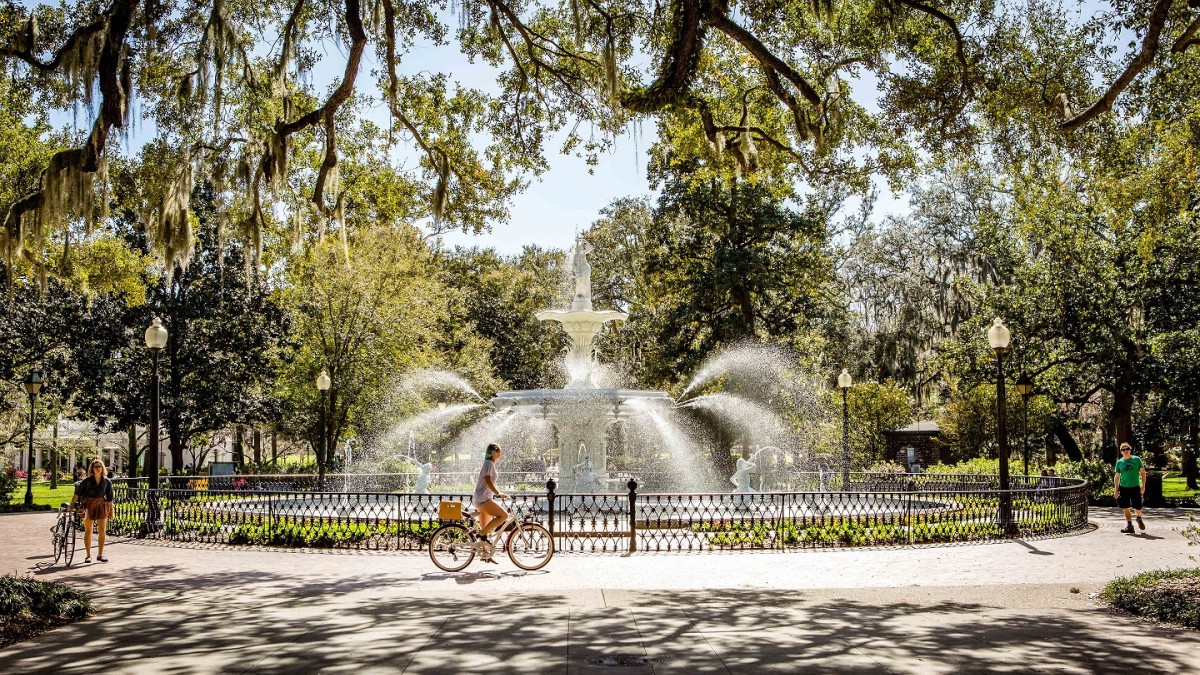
{"points": [[582, 411]]}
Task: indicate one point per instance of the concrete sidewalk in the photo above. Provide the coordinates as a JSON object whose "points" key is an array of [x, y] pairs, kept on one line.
{"points": [[980, 608]]}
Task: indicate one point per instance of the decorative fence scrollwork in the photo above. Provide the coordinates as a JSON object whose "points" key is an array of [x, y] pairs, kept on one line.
{"points": [[875, 510]]}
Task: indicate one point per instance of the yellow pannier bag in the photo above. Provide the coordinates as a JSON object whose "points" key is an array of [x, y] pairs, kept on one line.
{"points": [[450, 510]]}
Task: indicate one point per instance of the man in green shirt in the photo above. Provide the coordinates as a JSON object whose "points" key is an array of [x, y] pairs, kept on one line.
{"points": [[1129, 483]]}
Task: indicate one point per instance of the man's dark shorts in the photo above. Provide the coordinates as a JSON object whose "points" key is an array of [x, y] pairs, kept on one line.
{"points": [[1129, 497]]}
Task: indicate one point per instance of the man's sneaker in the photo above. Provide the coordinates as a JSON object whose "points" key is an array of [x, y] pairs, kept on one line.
{"points": [[1128, 529], [1141, 523]]}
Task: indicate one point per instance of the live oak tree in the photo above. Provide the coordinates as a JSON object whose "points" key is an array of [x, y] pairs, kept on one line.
{"points": [[243, 95]]}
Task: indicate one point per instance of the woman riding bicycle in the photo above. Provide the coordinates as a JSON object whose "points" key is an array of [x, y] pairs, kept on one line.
{"points": [[491, 514]]}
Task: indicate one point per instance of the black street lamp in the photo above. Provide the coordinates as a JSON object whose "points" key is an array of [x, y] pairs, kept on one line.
{"points": [[156, 339], [999, 339], [844, 383], [323, 383], [33, 385], [1025, 387]]}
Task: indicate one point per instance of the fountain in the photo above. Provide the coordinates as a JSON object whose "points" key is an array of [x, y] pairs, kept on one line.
{"points": [[604, 434], [582, 411]]}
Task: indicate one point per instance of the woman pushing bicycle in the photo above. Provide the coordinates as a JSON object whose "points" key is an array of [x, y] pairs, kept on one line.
{"points": [[95, 497]]}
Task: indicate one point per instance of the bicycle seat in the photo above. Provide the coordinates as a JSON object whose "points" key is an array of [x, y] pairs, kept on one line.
{"points": [[65, 505]]}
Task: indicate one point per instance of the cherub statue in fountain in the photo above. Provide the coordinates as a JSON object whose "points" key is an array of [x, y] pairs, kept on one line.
{"points": [[422, 487], [584, 474], [741, 477]]}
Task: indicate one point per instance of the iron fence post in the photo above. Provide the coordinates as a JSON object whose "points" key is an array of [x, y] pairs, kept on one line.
{"points": [[550, 485], [908, 515], [632, 485]]}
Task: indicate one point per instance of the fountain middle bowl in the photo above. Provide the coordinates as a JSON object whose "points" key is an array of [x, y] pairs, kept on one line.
{"points": [[549, 402]]}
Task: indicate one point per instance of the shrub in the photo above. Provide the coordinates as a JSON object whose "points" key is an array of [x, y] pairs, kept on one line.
{"points": [[46, 599], [980, 466], [8, 485], [1165, 595], [1097, 472], [886, 467]]}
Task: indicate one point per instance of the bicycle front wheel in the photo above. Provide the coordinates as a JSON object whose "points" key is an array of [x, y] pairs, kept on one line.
{"points": [[68, 542], [57, 534], [530, 546], [451, 548]]}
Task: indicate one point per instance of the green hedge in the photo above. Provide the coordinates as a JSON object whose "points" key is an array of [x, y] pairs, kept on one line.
{"points": [[327, 535]]}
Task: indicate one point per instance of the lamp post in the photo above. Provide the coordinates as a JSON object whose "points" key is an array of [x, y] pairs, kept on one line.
{"points": [[323, 383], [156, 339], [33, 385], [1025, 387], [999, 339], [844, 383]]}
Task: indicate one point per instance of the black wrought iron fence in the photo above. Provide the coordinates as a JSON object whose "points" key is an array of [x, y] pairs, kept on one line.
{"points": [[878, 510]]}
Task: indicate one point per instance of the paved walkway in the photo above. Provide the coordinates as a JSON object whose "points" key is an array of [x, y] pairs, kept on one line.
{"points": [[988, 608]]}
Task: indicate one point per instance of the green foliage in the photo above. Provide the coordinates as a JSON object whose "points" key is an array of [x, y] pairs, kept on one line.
{"points": [[1166, 595], [874, 409], [217, 370], [8, 485], [329, 535], [968, 421], [46, 599], [727, 261], [365, 319], [979, 466], [971, 522], [1098, 473], [499, 297]]}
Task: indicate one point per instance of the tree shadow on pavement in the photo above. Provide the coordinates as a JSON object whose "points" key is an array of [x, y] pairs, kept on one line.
{"points": [[234, 621]]}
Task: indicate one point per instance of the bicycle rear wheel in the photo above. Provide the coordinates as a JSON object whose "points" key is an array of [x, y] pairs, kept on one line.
{"points": [[530, 546], [451, 548]]}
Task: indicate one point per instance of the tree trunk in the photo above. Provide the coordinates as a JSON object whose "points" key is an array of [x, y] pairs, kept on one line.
{"points": [[1068, 442], [1122, 417], [274, 449], [131, 448], [176, 445], [257, 446], [54, 455], [239, 453], [1191, 470]]}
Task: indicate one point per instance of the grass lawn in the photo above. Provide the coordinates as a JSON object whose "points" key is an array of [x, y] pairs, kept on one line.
{"points": [[42, 494], [1175, 485]]}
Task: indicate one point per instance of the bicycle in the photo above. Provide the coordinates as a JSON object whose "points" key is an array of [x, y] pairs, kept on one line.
{"points": [[63, 535], [454, 545]]}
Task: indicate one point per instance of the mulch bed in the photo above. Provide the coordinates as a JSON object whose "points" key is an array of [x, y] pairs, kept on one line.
{"points": [[14, 629]]}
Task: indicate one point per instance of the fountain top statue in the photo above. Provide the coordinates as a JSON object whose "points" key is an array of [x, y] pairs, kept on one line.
{"points": [[581, 322]]}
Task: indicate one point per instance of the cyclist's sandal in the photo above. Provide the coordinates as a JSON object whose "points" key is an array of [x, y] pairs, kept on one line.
{"points": [[87, 560], [101, 559]]}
